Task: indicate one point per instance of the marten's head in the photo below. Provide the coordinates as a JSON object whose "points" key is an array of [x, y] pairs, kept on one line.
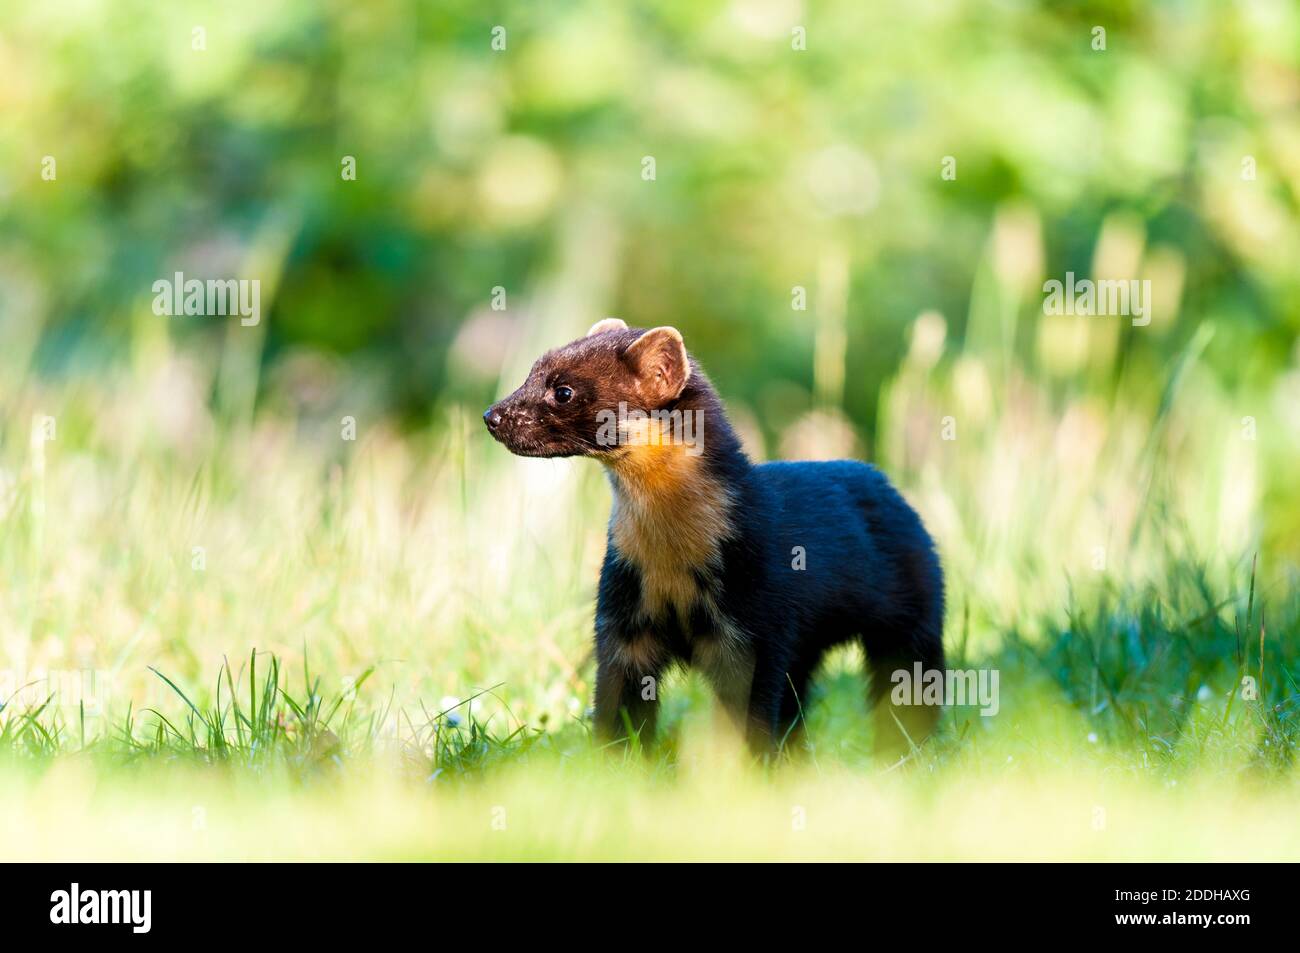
{"points": [[578, 399]]}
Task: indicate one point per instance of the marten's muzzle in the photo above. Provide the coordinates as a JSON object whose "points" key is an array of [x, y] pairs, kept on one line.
{"points": [[514, 424], [501, 422]]}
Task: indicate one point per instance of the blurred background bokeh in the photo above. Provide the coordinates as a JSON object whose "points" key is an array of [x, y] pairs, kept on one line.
{"points": [[766, 175]]}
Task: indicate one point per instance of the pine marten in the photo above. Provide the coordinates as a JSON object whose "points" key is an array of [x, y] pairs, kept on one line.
{"points": [[748, 573]]}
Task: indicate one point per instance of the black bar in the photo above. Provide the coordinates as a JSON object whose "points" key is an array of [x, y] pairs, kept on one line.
{"points": [[331, 902]]}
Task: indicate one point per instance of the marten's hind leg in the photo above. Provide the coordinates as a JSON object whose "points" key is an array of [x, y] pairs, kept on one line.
{"points": [[898, 727], [904, 633]]}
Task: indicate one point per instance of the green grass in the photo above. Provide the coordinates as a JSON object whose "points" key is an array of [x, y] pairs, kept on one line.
{"points": [[1148, 680], [1122, 734]]}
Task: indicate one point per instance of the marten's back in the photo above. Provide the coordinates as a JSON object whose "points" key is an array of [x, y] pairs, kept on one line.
{"points": [[841, 542]]}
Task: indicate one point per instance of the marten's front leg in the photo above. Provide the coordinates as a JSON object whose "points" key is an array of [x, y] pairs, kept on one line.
{"points": [[764, 729], [621, 692], [748, 689]]}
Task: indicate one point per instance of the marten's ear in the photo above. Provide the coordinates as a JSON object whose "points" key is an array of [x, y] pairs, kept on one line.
{"points": [[607, 324], [659, 359]]}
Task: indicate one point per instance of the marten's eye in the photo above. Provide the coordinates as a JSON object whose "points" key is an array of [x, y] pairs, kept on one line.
{"points": [[563, 394]]}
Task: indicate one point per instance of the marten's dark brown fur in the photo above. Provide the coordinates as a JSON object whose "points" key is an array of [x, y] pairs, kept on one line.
{"points": [[747, 573]]}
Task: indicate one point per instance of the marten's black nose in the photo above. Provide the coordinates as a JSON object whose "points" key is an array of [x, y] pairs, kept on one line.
{"points": [[492, 417]]}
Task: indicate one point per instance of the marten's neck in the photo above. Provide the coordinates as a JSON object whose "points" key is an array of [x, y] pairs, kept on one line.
{"points": [[676, 490]]}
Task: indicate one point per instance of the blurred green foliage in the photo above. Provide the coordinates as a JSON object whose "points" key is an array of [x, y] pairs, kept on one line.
{"points": [[775, 167]]}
